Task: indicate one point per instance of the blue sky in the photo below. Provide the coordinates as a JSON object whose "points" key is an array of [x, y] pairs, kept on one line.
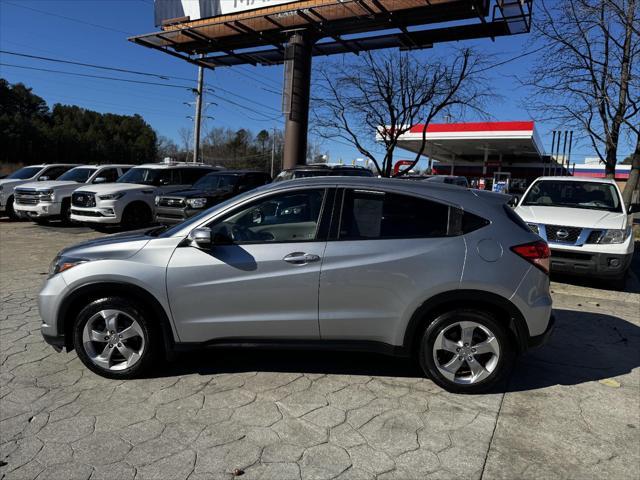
{"points": [[100, 37]]}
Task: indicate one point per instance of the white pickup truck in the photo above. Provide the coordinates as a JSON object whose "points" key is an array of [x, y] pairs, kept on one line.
{"points": [[28, 174], [586, 224], [43, 201]]}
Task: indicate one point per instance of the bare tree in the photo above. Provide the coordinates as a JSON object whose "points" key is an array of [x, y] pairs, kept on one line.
{"points": [[587, 76], [387, 93], [186, 136]]}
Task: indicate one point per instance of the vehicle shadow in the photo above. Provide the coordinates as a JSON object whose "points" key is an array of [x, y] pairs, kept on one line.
{"points": [[585, 347]]}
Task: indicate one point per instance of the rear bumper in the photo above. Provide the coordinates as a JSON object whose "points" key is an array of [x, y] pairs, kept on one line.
{"points": [[607, 265], [539, 340]]}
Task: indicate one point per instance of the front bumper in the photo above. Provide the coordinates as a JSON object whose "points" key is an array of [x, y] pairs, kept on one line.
{"points": [[39, 210], [598, 264], [95, 215], [539, 340], [49, 298], [171, 216]]}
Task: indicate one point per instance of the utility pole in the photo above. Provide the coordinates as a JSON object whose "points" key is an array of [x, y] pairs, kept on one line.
{"points": [[273, 149], [197, 117]]}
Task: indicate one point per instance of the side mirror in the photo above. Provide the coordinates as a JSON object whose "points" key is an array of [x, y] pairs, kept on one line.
{"points": [[100, 180], [634, 208], [513, 202], [43, 178], [201, 237]]}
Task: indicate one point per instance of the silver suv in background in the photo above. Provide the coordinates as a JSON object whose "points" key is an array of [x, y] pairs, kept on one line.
{"points": [[43, 201], [31, 173], [447, 275]]}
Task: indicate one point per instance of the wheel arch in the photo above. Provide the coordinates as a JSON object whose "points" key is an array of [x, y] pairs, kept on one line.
{"points": [[73, 303], [504, 311]]}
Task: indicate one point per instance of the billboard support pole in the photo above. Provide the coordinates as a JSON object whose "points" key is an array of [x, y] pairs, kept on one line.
{"points": [[198, 116], [297, 88]]}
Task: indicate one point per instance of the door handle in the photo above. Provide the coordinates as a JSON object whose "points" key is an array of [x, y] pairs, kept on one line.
{"points": [[301, 258]]}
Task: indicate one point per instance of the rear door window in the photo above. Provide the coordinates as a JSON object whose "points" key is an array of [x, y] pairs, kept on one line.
{"points": [[370, 215]]}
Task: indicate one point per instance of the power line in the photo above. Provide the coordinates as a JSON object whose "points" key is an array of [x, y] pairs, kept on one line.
{"points": [[71, 19], [97, 76], [213, 90]]}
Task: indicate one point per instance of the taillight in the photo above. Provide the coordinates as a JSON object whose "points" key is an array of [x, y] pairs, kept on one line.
{"points": [[537, 253]]}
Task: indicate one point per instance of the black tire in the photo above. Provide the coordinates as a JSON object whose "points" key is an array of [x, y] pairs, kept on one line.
{"points": [[65, 212], [617, 283], [11, 213], [152, 338], [136, 215], [505, 360]]}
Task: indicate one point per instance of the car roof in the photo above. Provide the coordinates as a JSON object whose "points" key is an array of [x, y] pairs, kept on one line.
{"points": [[578, 179], [177, 165], [325, 166], [235, 172]]}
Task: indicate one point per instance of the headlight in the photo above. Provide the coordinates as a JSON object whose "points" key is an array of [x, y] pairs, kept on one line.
{"points": [[111, 196], [156, 201], [45, 195], [615, 236], [534, 228], [197, 202], [62, 263]]}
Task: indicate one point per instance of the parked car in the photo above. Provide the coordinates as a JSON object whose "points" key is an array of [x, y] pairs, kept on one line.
{"points": [[130, 200], [43, 201], [206, 192], [26, 175], [448, 275], [449, 180], [321, 170], [585, 221]]}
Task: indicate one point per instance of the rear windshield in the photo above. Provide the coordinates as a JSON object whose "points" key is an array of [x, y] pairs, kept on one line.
{"points": [[572, 194], [24, 173]]}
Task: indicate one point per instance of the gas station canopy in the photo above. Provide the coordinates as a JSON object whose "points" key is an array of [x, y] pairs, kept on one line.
{"points": [[477, 142]]}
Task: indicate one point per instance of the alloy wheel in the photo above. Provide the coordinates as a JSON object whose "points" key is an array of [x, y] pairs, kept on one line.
{"points": [[466, 352], [113, 340]]}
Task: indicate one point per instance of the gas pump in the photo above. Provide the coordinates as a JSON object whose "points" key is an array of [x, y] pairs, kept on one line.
{"points": [[501, 182]]}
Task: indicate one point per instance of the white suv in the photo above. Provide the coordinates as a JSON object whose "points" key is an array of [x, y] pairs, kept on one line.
{"points": [[585, 222], [130, 201], [24, 175], [42, 201]]}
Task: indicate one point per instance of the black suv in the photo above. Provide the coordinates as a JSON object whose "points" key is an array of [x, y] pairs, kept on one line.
{"points": [[322, 169], [206, 192]]}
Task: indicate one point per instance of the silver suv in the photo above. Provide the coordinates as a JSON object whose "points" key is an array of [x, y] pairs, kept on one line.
{"points": [[448, 275]]}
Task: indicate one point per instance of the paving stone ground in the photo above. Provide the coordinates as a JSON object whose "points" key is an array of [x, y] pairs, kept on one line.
{"points": [[570, 410]]}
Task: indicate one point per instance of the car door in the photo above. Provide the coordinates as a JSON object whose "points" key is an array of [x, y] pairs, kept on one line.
{"points": [[260, 278], [386, 254]]}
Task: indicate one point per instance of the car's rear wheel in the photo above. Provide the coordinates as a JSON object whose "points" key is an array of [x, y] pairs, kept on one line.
{"points": [[136, 215], [466, 351], [112, 337]]}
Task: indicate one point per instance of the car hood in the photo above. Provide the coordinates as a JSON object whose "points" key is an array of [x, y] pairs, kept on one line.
{"points": [[117, 246], [117, 188], [572, 217], [49, 184], [10, 182], [195, 192]]}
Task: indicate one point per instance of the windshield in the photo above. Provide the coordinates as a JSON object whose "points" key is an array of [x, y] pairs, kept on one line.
{"points": [[586, 195], [144, 176], [79, 174], [216, 182], [24, 173]]}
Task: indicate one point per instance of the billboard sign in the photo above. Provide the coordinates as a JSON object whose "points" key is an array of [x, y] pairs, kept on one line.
{"points": [[198, 9]]}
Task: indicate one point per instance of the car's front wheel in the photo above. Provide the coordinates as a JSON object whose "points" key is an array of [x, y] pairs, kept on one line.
{"points": [[112, 337], [466, 351]]}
